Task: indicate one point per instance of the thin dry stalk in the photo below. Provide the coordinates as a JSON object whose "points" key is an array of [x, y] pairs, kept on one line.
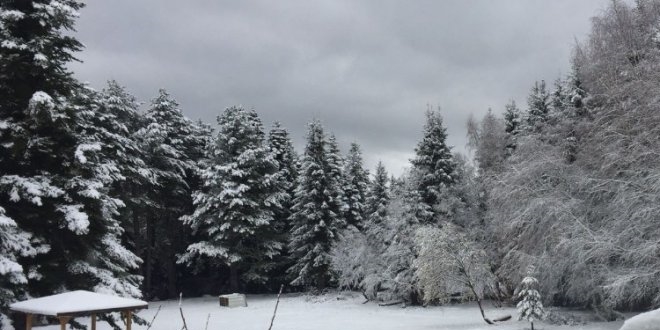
{"points": [[154, 318], [185, 326], [276, 304]]}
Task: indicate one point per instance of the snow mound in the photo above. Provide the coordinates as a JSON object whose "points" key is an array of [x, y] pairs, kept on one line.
{"points": [[645, 321]]}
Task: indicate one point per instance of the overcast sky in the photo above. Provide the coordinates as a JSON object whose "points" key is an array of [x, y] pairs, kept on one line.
{"points": [[366, 69]]}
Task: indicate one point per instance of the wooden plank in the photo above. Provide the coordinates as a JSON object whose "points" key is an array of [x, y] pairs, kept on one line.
{"points": [[63, 321], [103, 311], [129, 319], [28, 321]]}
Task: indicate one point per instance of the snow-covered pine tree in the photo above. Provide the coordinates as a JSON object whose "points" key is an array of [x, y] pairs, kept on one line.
{"points": [[281, 147], [433, 163], [559, 97], [16, 245], [235, 211], [512, 121], [316, 217], [335, 168], [55, 176], [356, 180], [575, 90], [172, 144], [539, 107], [287, 163], [117, 121], [378, 196], [530, 307]]}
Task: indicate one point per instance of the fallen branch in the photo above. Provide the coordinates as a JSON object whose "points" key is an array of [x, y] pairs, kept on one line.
{"points": [[391, 303], [207, 321], [276, 304], [502, 319], [154, 318]]}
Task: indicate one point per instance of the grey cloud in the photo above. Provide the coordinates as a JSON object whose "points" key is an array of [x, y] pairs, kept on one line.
{"points": [[367, 69]]}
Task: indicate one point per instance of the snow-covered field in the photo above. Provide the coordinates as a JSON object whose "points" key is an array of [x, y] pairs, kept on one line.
{"points": [[302, 312]]}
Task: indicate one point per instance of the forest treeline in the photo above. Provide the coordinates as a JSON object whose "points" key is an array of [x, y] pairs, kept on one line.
{"points": [[97, 194]]}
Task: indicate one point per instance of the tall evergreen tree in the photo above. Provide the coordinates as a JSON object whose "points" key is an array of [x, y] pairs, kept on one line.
{"points": [[235, 210], [378, 195], [576, 92], [122, 120], [55, 174], [172, 145], [356, 180], [539, 107], [281, 147], [287, 175], [512, 122], [316, 217], [433, 162]]}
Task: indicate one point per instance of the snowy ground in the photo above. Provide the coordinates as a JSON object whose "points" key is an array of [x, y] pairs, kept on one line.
{"points": [[300, 312]]}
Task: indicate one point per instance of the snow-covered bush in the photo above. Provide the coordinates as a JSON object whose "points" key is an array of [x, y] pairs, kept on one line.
{"points": [[449, 263]]}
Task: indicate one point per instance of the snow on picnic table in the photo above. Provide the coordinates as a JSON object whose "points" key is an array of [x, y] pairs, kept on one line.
{"points": [[302, 312]]}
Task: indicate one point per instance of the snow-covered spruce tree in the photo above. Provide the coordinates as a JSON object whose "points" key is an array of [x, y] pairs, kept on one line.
{"points": [[116, 120], [433, 163], [538, 107], [15, 244], [335, 169], [287, 163], [512, 122], [56, 175], [172, 145], [356, 180], [317, 213], [235, 211], [530, 307], [449, 262], [281, 147], [378, 196]]}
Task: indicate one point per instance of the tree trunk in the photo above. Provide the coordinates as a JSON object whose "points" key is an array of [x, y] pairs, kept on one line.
{"points": [[233, 278], [148, 258], [171, 259], [481, 309], [532, 325]]}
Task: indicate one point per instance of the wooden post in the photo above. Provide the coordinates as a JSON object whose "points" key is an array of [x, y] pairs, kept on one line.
{"points": [[129, 319], [28, 321], [93, 321], [63, 321]]}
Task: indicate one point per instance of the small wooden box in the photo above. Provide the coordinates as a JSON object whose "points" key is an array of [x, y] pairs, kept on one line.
{"points": [[233, 300]]}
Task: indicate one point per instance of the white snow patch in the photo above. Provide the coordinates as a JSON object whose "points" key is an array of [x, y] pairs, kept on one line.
{"points": [[40, 100], [74, 301], [84, 147], [645, 321], [77, 220]]}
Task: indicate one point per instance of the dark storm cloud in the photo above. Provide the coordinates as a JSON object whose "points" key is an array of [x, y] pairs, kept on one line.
{"points": [[367, 69]]}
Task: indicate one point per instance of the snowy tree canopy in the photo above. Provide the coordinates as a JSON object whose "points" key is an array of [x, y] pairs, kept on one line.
{"points": [[317, 213], [433, 161], [234, 210]]}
